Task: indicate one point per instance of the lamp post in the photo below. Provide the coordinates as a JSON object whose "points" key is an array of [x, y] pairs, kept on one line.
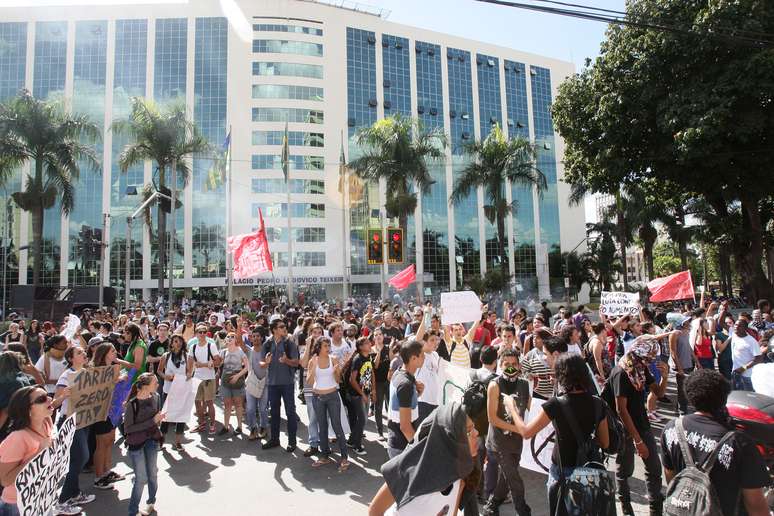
{"points": [[567, 269]]}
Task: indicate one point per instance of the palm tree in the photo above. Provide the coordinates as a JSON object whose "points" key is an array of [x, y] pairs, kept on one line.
{"points": [[58, 144], [497, 161], [398, 150], [165, 136]]}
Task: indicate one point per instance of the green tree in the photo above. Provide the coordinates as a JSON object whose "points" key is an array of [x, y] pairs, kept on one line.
{"points": [[495, 162], [58, 144], [602, 258], [167, 137], [688, 107], [578, 269]]}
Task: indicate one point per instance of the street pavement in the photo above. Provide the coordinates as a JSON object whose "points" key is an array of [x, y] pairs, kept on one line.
{"points": [[218, 475]]}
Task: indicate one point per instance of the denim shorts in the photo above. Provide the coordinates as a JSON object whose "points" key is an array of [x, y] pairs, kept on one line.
{"points": [[227, 392], [655, 371]]}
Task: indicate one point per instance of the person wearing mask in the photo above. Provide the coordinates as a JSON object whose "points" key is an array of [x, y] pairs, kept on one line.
{"points": [[503, 440], [141, 426], [360, 387], [745, 353], [324, 373], [579, 403], [259, 424], [235, 368], [104, 431], [404, 393], [681, 359], [739, 473], [71, 494], [381, 361], [174, 363], [204, 358], [31, 409], [430, 477], [281, 358], [630, 381]]}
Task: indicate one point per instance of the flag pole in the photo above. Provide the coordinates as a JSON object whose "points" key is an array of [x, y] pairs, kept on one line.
{"points": [[286, 172], [344, 207], [229, 257]]}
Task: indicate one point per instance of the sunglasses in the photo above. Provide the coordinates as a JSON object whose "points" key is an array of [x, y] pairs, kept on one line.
{"points": [[202, 332], [40, 400]]}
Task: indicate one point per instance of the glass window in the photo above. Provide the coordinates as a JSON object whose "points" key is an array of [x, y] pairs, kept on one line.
{"points": [[297, 29], [281, 91], [305, 116], [299, 138], [274, 162], [299, 186], [288, 69], [283, 46], [302, 235], [300, 210]]}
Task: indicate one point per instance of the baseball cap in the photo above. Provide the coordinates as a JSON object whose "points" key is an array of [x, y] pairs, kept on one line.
{"points": [[682, 322]]}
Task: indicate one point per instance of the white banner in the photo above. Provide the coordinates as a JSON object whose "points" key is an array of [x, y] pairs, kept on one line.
{"points": [[527, 459], [180, 400], [38, 483], [72, 326], [619, 303], [460, 307]]}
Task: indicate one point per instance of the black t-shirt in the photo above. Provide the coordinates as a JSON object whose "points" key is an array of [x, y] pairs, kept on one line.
{"points": [[364, 371], [583, 406], [392, 332], [384, 365], [738, 466], [635, 400]]}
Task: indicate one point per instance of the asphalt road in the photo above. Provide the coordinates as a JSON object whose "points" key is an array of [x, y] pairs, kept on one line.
{"points": [[232, 476]]}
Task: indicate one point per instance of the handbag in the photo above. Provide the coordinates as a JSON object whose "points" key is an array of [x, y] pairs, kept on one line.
{"points": [[254, 385], [226, 380]]}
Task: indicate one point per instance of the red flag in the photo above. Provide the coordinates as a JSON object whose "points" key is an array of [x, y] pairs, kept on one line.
{"points": [[251, 252], [404, 278], [676, 286]]}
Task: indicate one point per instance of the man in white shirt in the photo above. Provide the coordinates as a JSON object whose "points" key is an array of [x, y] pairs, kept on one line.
{"points": [[340, 348], [745, 353], [429, 373], [204, 357]]}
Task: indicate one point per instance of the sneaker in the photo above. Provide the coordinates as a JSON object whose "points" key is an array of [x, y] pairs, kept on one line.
{"points": [[147, 510], [253, 435], [269, 445], [261, 433], [63, 509], [114, 477], [313, 450], [290, 448], [238, 430], [359, 451], [178, 447], [81, 499], [103, 483]]}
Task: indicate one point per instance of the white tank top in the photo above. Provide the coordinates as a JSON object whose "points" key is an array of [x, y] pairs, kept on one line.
{"points": [[324, 379]]}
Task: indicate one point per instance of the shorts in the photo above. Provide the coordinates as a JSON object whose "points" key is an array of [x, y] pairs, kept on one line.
{"points": [[206, 391], [103, 427], [227, 391], [655, 371]]}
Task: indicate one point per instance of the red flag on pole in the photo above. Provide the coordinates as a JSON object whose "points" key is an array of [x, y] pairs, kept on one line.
{"points": [[251, 252], [404, 278], [674, 287]]}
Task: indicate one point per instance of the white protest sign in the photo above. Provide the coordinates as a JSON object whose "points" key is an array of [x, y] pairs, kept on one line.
{"points": [[619, 303], [180, 399], [460, 307], [73, 322], [541, 439], [38, 483], [452, 380]]}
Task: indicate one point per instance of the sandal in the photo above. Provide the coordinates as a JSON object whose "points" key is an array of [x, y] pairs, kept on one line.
{"points": [[344, 466], [322, 462], [178, 446], [212, 428]]}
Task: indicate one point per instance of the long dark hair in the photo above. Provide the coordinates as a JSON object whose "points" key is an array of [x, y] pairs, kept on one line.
{"points": [[19, 407], [134, 330], [178, 357], [100, 353], [142, 380], [53, 341], [571, 373], [11, 363]]}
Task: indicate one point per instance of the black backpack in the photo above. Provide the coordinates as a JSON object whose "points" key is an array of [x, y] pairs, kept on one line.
{"points": [[691, 493], [474, 399], [615, 427]]}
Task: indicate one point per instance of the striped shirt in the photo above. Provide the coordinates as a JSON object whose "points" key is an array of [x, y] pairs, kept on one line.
{"points": [[460, 355], [536, 368]]}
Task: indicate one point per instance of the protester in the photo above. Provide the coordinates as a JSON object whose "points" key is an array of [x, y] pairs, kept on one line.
{"points": [[234, 372], [52, 363], [681, 359], [314, 332], [141, 425], [381, 361], [174, 363], [404, 390], [104, 431], [746, 353], [258, 425], [360, 390], [281, 358], [204, 357]]}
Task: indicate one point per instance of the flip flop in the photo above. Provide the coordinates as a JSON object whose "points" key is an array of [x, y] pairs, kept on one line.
{"points": [[321, 462], [344, 466]]}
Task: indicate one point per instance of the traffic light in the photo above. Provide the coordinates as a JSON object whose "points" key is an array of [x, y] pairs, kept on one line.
{"points": [[394, 245], [96, 243], [374, 247]]}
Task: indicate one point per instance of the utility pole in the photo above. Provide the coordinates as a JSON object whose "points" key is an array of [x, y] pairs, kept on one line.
{"points": [[6, 244], [128, 260], [102, 247], [172, 236], [383, 265]]}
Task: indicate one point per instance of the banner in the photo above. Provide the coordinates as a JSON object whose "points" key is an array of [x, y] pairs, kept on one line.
{"points": [[460, 307], [453, 380], [619, 304], [38, 483], [672, 288], [120, 393], [251, 252], [91, 390], [73, 322], [180, 399], [540, 440], [404, 278]]}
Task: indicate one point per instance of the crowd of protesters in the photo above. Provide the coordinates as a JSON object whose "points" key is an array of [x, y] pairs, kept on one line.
{"points": [[360, 363]]}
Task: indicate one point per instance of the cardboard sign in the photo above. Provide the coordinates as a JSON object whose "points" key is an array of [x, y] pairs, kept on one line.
{"points": [[91, 390], [615, 304], [39, 482], [120, 393], [460, 307]]}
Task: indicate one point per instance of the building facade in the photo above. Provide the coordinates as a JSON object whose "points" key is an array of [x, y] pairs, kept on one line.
{"points": [[326, 72]]}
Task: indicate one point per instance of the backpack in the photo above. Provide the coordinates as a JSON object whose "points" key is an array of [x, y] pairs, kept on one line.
{"points": [[691, 493], [615, 428], [589, 489], [474, 399]]}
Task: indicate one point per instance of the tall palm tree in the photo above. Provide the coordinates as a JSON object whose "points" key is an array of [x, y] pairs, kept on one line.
{"points": [[58, 144], [165, 136], [398, 150], [495, 162]]}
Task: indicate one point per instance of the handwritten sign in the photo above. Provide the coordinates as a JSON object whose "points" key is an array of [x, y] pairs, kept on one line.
{"points": [[619, 303], [460, 307], [91, 391], [120, 393], [38, 483]]}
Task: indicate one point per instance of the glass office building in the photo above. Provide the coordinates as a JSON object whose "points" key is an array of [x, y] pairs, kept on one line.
{"points": [[323, 71]]}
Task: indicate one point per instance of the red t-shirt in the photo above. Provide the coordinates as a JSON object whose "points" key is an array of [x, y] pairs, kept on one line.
{"points": [[703, 348]]}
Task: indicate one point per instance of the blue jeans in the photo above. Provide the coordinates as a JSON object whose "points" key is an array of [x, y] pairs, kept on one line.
{"points": [[328, 406], [283, 394], [262, 406], [143, 462], [79, 455], [707, 363], [8, 509], [314, 432], [358, 416], [742, 383]]}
